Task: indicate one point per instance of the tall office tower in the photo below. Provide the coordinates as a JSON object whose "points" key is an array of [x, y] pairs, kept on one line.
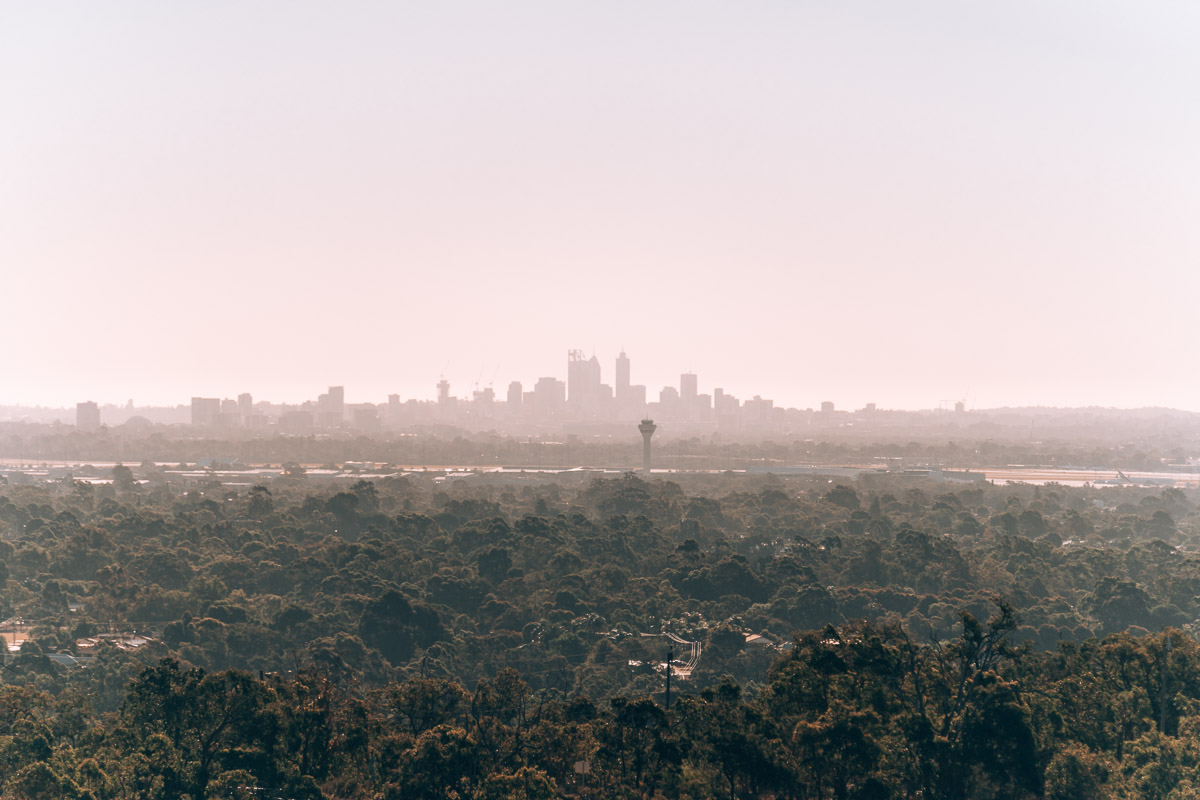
{"points": [[622, 387], [205, 410], [245, 405], [514, 396], [87, 416], [595, 392], [575, 376], [337, 401], [647, 429], [725, 409], [687, 387], [583, 380], [443, 391]]}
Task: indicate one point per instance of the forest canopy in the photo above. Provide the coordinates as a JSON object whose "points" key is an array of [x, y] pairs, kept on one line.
{"points": [[507, 636]]}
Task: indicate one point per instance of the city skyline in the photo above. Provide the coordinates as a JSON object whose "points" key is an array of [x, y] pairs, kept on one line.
{"points": [[610, 376], [581, 390], [576, 395]]}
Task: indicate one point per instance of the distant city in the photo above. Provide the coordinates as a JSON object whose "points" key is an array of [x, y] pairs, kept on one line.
{"points": [[583, 402], [586, 405]]}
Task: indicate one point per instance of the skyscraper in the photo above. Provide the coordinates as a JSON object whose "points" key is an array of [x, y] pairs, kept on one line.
{"points": [[622, 388], [687, 387], [583, 380]]}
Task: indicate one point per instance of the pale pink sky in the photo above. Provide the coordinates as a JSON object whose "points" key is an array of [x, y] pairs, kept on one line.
{"points": [[900, 203]]}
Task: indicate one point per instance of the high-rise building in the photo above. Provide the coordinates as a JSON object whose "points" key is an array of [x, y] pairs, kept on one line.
{"points": [[331, 407], [514, 395], [549, 395], [87, 416], [725, 409], [245, 405], [583, 380], [205, 410], [687, 387], [758, 411], [622, 387], [725, 403], [443, 388]]}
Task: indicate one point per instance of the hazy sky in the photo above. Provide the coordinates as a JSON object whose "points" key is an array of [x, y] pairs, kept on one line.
{"points": [[900, 203]]}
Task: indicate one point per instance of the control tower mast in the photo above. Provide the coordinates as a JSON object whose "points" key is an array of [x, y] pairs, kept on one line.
{"points": [[647, 429]]}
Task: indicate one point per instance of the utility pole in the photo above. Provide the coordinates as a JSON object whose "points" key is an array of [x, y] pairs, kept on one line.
{"points": [[670, 658]]}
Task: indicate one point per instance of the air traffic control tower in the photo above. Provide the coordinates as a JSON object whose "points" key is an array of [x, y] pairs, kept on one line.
{"points": [[647, 428]]}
